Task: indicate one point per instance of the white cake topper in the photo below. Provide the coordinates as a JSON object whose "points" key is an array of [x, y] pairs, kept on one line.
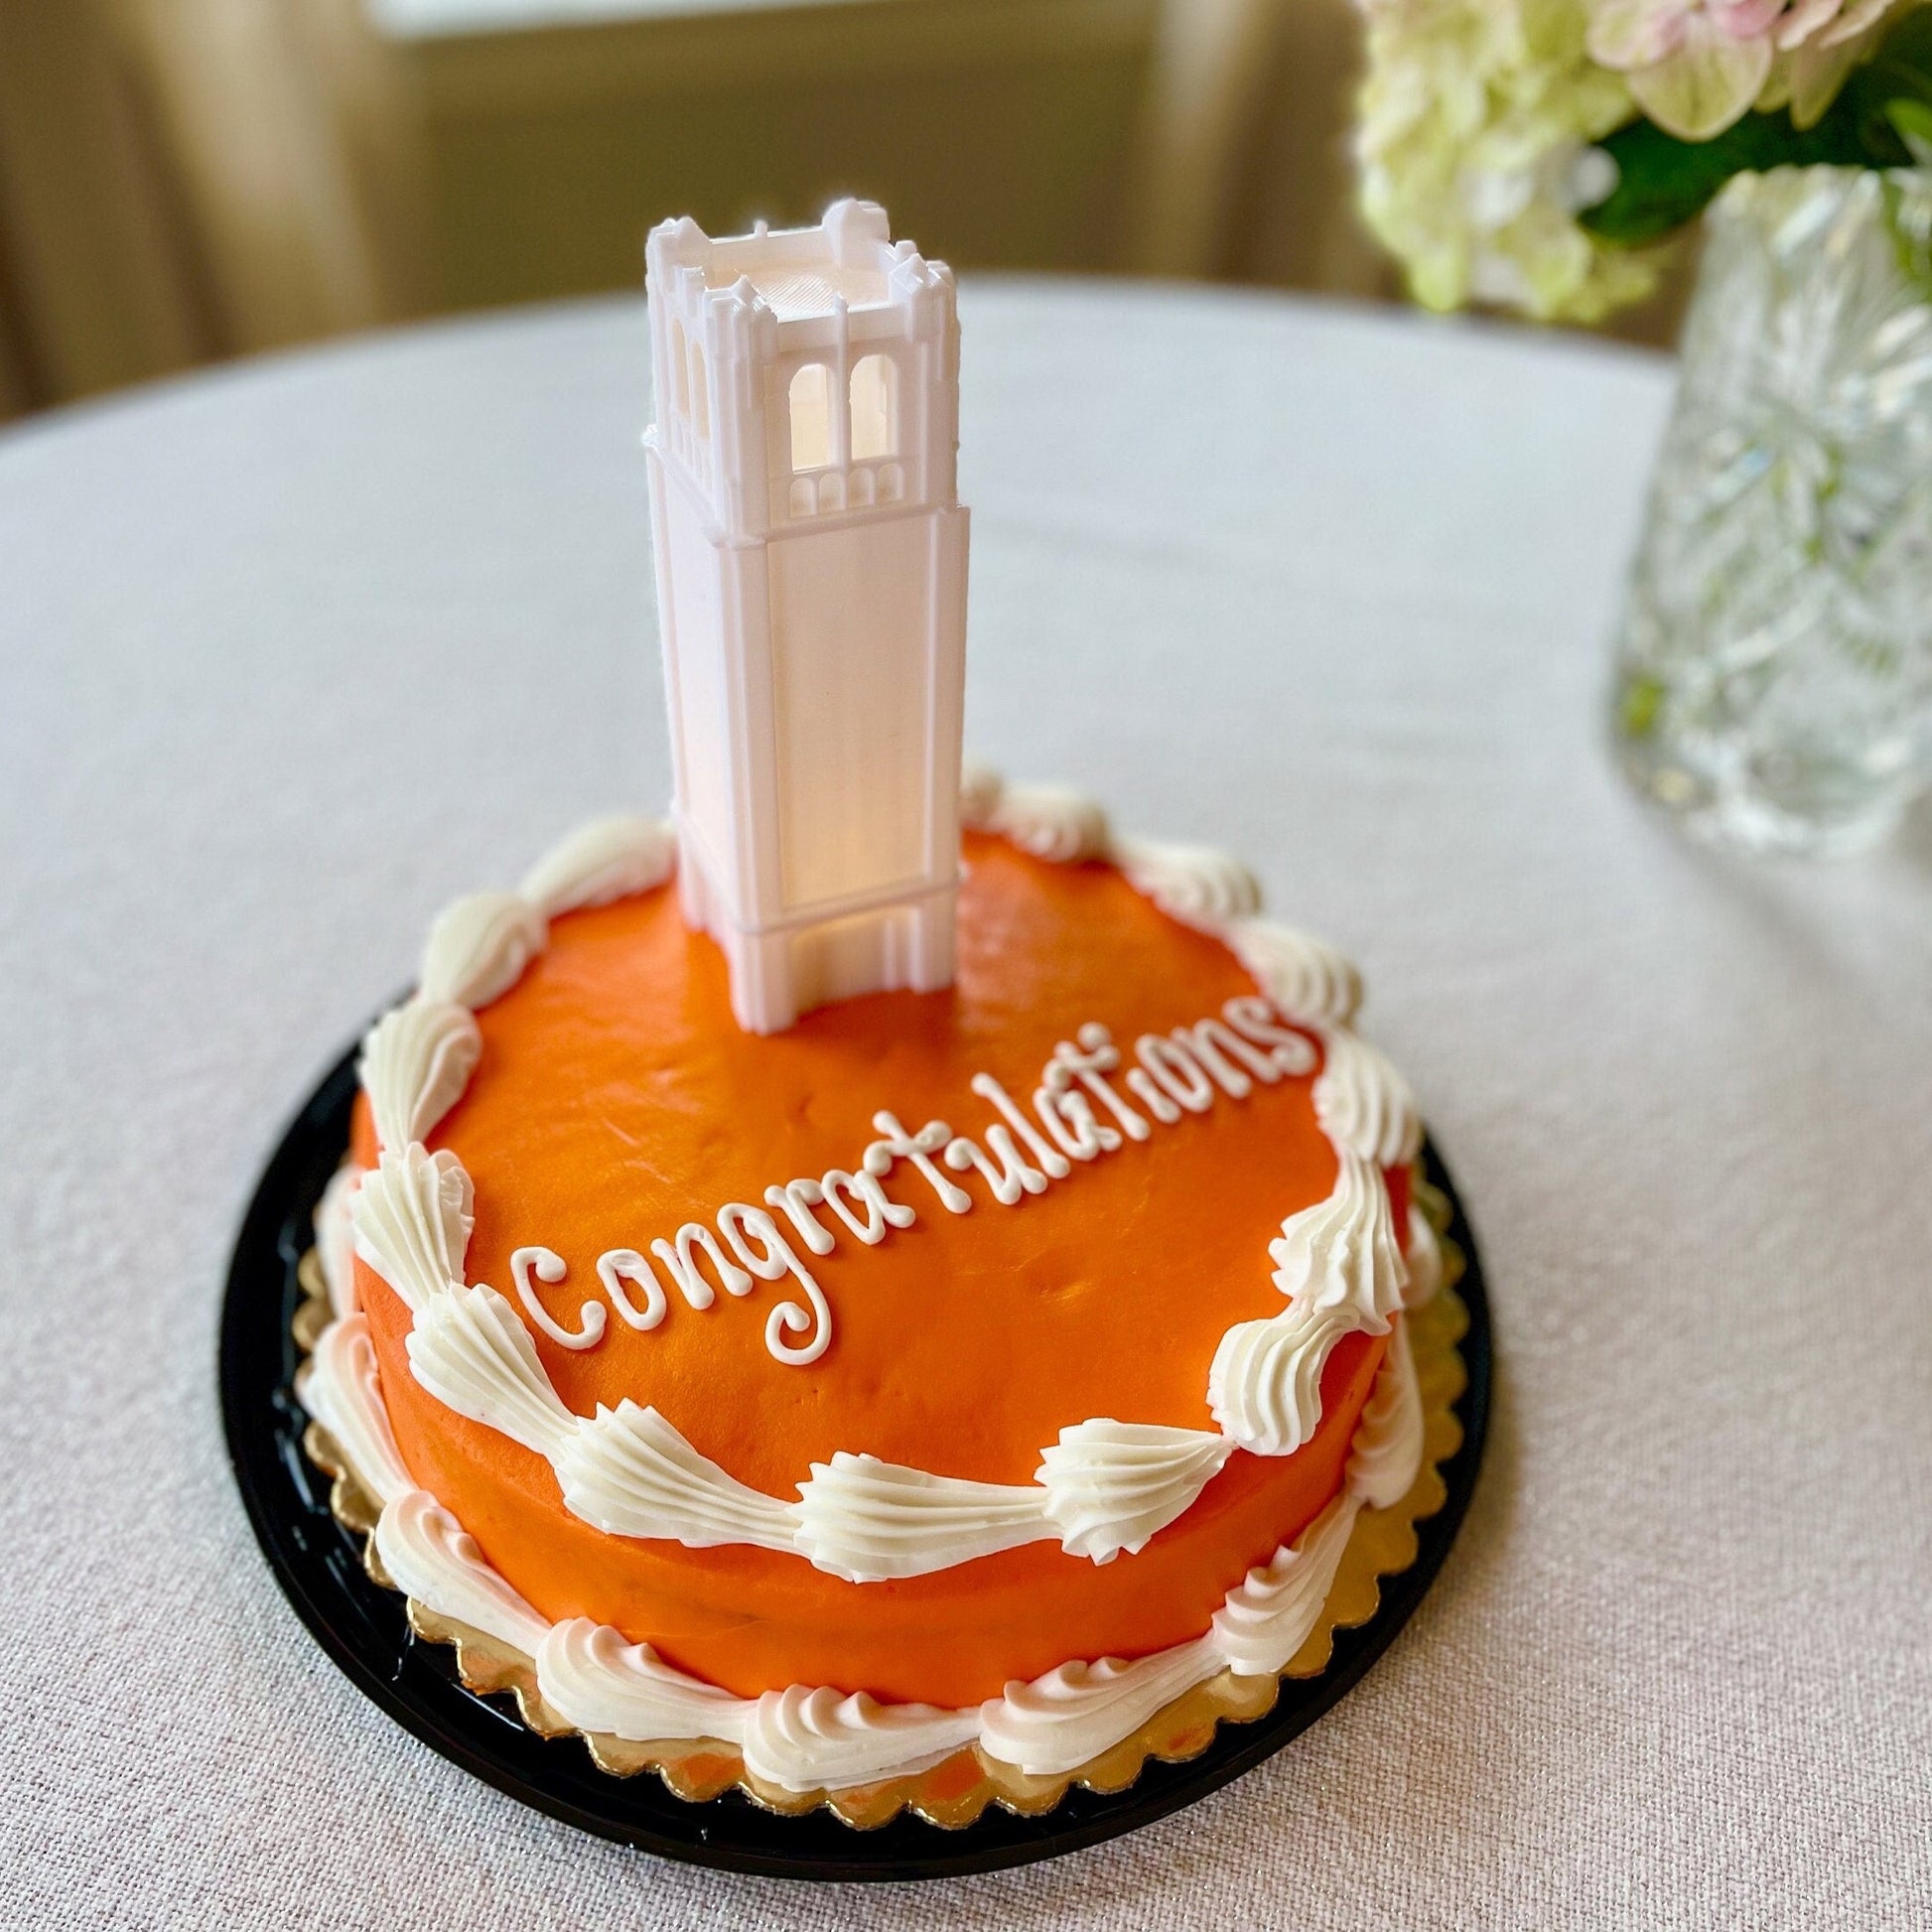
{"points": [[811, 594]]}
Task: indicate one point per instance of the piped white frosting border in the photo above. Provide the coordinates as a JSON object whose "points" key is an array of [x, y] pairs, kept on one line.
{"points": [[1106, 1486], [810, 1738]]}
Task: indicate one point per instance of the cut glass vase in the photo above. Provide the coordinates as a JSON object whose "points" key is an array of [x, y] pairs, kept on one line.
{"points": [[1774, 672]]}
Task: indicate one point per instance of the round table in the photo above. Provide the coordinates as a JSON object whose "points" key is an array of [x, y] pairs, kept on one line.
{"points": [[295, 652]]}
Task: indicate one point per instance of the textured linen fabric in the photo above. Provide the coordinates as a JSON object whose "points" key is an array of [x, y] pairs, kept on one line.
{"points": [[295, 653]]}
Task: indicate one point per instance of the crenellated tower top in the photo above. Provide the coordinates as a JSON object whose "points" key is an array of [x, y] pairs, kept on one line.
{"points": [[804, 372]]}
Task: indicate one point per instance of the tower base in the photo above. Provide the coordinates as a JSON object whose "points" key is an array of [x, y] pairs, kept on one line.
{"points": [[902, 945]]}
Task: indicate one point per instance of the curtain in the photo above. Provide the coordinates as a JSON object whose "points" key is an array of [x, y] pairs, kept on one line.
{"points": [[1244, 169], [187, 179]]}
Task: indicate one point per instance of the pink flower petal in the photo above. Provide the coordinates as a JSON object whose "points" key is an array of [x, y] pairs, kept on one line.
{"points": [[1855, 20], [1708, 84], [1630, 34], [1805, 19], [1745, 20]]}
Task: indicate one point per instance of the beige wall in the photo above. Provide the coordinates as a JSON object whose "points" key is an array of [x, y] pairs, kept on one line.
{"points": [[998, 132], [182, 180]]}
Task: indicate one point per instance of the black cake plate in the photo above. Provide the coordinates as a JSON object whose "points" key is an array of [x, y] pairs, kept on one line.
{"points": [[364, 1627]]}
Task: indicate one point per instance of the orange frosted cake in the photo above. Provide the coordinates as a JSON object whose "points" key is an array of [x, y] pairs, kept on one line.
{"points": [[962, 1370], [876, 1269]]}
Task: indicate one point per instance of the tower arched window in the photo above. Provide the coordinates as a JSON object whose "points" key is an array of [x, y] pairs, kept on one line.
{"points": [[811, 416], [680, 374], [875, 408], [700, 392]]}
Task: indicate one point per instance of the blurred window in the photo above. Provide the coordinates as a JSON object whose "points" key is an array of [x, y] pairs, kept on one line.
{"points": [[874, 409], [700, 394], [680, 375], [431, 18], [811, 418]]}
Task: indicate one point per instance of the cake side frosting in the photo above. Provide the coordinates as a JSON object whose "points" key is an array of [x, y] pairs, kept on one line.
{"points": [[1103, 1487], [805, 1739]]}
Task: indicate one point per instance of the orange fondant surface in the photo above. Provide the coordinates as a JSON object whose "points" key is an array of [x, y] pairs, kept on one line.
{"points": [[617, 1099]]}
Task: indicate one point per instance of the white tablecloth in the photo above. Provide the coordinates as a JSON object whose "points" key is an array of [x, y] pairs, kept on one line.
{"points": [[294, 653]]}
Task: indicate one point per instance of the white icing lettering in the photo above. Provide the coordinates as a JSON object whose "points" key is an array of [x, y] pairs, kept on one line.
{"points": [[621, 1265], [790, 1317], [1069, 1117], [795, 1200], [772, 1259], [1205, 1039], [1150, 1097], [1225, 1040], [680, 1263], [1253, 1020], [1089, 1064], [844, 1191], [1053, 1162], [1174, 1070], [1079, 1113], [920, 1149], [550, 1266], [1010, 1180]]}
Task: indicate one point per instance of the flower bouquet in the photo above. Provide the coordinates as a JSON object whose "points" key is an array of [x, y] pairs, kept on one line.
{"points": [[1526, 152], [1774, 679]]}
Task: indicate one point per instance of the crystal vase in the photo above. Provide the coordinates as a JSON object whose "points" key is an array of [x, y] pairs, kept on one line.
{"points": [[1774, 672]]}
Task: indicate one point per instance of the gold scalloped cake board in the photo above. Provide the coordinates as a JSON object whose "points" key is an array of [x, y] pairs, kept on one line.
{"points": [[954, 1793]]}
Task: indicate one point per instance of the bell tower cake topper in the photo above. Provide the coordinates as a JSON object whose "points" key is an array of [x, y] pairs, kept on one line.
{"points": [[811, 595]]}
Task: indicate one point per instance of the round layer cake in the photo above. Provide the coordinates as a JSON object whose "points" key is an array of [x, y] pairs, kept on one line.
{"points": [[914, 1360]]}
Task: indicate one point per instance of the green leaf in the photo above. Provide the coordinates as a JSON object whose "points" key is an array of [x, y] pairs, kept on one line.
{"points": [[1639, 705], [1912, 119], [1663, 182]]}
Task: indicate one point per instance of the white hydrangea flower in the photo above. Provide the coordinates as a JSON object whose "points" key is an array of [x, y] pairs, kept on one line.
{"points": [[1478, 120]]}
